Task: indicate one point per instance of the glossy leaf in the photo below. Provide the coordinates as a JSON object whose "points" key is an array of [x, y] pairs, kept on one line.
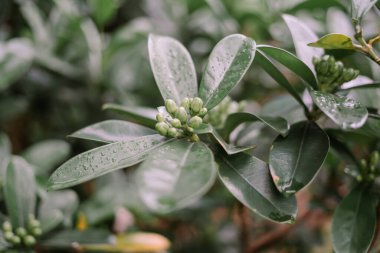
{"points": [[291, 62], [5, 153], [269, 67], [354, 222], [226, 66], [334, 41], [229, 148], [248, 179], [102, 160], [140, 115], [112, 131], [19, 191], [46, 154], [360, 7], [344, 111], [278, 124], [172, 67], [175, 175], [296, 159], [15, 58], [302, 36]]}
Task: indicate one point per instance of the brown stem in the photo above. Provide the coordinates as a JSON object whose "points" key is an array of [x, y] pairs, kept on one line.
{"points": [[245, 223]]}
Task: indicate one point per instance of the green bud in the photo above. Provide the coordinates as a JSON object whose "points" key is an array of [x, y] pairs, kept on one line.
{"points": [[371, 177], [359, 178], [348, 74], [241, 106], [20, 231], [7, 226], [363, 164], [160, 118], [176, 123], [181, 114], [8, 235], [331, 63], [190, 129], [33, 223], [29, 240], [171, 106], [16, 240], [172, 132], [203, 112], [195, 122], [196, 105], [37, 231], [185, 103], [194, 138], [375, 158], [356, 74], [323, 67], [316, 60], [162, 128]]}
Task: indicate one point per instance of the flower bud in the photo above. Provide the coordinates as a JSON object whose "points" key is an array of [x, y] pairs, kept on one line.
{"points": [[162, 128], [203, 112], [176, 123], [7, 226], [194, 138], [190, 129], [171, 106], [181, 114], [363, 164], [160, 118], [172, 132], [185, 103], [331, 63], [33, 223], [323, 67], [348, 74], [316, 60], [8, 235], [195, 122], [375, 158], [29, 240], [16, 240], [37, 232], [196, 105], [20, 231]]}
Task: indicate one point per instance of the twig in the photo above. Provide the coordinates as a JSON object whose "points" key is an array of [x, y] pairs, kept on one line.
{"points": [[245, 223], [366, 47]]}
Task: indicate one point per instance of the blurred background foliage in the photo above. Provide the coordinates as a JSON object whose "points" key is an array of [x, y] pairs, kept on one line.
{"points": [[60, 61]]}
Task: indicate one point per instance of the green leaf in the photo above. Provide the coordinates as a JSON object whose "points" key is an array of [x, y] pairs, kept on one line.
{"points": [[354, 222], [334, 41], [344, 111], [46, 154], [58, 206], [112, 131], [360, 7], [103, 11], [248, 179], [102, 160], [229, 148], [172, 67], [269, 67], [5, 153], [295, 160], [175, 175], [291, 62], [140, 115], [226, 66], [278, 124], [15, 59], [302, 36], [20, 191]]}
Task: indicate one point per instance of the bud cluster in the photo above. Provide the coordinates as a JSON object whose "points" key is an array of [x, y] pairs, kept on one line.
{"points": [[22, 236], [369, 168], [331, 73], [181, 120], [218, 115]]}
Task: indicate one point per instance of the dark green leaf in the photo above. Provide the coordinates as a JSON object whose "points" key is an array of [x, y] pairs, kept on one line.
{"points": [[344, 111], [20, 191], [295, 160], [103, 11], [302, 35], [172, 67], [276, 74], [227, 64], [175, 175], [229, 148], [112, 131], [291, 62], [360, 7], [248, 179], [46, 154], [316, 4], [334, 41], [278, 124], [140, 115], [354, 222], [102, 160]]}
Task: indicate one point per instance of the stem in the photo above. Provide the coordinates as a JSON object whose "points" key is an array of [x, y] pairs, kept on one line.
{"points": [[245, 227], [374, 40], [366, 47]]}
